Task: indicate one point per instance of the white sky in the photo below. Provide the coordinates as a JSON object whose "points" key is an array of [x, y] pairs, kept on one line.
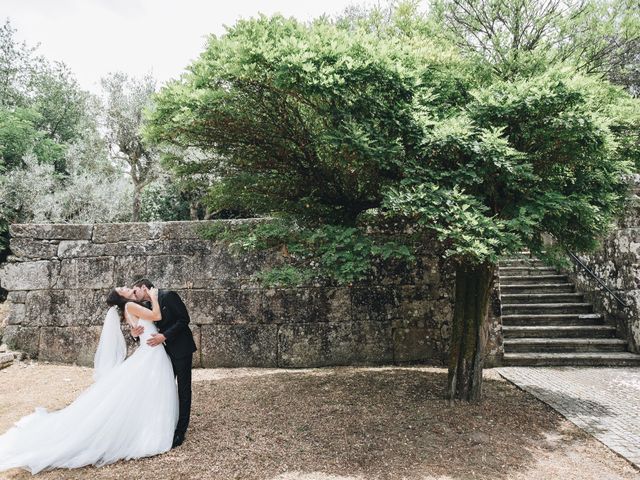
{"points": [[94, 37]]}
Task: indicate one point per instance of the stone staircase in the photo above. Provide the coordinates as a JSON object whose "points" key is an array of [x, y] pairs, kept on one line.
{"points": [[7, 357], [546, 322]]}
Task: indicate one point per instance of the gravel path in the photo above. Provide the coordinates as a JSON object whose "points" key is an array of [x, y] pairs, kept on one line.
{"points": [[338, 423]]}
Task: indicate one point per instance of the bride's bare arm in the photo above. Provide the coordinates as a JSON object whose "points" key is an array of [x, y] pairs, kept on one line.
{"points": [[128, 318], [144, 313]]}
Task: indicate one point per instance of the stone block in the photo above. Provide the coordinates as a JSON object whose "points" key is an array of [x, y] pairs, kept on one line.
{"points": [[139, 248], [53, 231], [425, 270], [24, 339], [29, 275], [239, 345], [69, 344], [415, 344], [226, 306], [65, 307], [307, 305], [222, 268], [83, 248], [17, 314], [375, 302], [17, 297], [79, 248], [28, 248], [38, 306], [180, 230], [128, 269], [91, 272], [344, 343], [188, 247], [416, 301], [170, 271], [125, 232]]}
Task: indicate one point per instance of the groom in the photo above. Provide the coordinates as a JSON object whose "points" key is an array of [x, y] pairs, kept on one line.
{"points": [[178, 341]]}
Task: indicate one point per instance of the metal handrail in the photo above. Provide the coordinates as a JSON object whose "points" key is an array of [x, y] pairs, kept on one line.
{"points": [[588, 270]]}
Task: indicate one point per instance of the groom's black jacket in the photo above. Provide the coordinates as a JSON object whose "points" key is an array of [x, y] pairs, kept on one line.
{"points": [[175, 325]]}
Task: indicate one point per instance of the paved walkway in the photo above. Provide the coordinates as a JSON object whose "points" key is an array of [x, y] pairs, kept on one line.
{"points": [[602, 401]]}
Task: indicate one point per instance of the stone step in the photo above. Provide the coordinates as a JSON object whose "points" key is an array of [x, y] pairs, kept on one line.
{"points": [[6, 359], [532, 279], [546, 308], [562, 319], [559, 345], [516, 256], [521, 262], [559, 331], [602, 359], [537, 288], [520, 271], [521, 298]]}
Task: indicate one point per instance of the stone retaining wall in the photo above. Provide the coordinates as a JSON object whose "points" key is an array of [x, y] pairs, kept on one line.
{"points": [[617, 263], [58, 277]]}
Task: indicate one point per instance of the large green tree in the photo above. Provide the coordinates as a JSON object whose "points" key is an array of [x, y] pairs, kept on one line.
{"points": [[338, 129]]}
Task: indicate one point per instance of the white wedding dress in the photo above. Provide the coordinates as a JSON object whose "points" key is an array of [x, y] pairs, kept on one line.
{"points": [[130, 411]]}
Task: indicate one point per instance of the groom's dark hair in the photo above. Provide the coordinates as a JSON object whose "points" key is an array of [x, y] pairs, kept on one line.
{"points": [[143, 282]]}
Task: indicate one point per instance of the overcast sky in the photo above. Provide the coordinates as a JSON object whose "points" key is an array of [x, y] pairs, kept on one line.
{"points": [[94, 37]]}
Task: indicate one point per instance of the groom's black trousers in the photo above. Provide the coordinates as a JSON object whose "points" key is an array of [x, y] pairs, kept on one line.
{"points": [[182, 371]]}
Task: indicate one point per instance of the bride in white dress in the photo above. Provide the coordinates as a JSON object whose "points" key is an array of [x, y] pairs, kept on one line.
{"points": [[130, 411]]}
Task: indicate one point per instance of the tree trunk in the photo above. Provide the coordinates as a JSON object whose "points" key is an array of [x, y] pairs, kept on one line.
{"points": [[193, 210], [135, 217], [470, 329]]}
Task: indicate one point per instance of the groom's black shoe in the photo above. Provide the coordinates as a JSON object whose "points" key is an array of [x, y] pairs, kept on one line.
{"points": [[178, 438]]}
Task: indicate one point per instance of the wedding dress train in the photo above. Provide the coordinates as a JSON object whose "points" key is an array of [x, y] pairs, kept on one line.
{"points": [[130, 411]]}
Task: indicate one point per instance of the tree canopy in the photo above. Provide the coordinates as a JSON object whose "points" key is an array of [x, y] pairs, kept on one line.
{"points": [[334, 126]]}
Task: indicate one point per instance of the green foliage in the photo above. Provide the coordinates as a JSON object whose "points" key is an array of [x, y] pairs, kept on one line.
{"points": [[315, 117], [191, 173], [563, 123], [163, 201], [343, 126], [460, 221], [524, 157], [242, 194], [36, 193], [329, 252], [42, 108], [19, 135]]}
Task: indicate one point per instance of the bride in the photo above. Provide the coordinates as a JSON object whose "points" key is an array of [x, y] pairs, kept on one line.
{"points": [[130, 411]]}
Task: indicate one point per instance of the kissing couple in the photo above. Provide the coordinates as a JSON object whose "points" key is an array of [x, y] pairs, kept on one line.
{"points": [[135, 408]]}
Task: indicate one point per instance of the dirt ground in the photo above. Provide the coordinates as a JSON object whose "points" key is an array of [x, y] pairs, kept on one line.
{"points": [[338, 423]]}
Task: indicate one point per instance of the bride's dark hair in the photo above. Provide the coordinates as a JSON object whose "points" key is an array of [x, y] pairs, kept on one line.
{"points": [[114, 298]]}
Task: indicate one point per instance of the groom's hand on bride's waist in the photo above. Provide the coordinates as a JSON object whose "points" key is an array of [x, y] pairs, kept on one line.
{"points": [[136, 331], [156, 339]]}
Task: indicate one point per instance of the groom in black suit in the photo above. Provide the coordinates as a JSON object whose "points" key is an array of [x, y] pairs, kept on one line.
{"points": [[177, 338]]}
